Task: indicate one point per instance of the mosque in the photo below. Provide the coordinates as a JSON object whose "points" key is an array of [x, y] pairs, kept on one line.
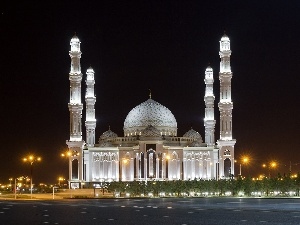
{"points": [[150, 148]]}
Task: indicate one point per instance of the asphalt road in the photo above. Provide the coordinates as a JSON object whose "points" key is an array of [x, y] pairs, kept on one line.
{"points": [[152, 211]]}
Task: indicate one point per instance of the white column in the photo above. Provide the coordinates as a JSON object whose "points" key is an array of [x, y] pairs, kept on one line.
{"points": [[209, 98], [75, 105], [75, 143], [225, 143], [90, 99]]}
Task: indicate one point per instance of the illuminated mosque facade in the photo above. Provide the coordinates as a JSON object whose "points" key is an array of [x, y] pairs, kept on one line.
{"points": [[150, 148]]}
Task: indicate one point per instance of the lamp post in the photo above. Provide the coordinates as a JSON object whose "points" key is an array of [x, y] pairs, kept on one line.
{"points": [[31, 159], [60, 179], [243, 160], [271, 165], [10, 180], [15, 188]]}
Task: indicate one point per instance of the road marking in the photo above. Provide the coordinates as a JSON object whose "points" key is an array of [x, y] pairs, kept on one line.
{"points": [[5, 208], [1, 212], [111, 219], [165, 216], [137, 210], [262, 221], [83, 212], [45, 215], [169, 207], [94, 218], [123, 206], [145, 215], [243, 220], [190, 212]]}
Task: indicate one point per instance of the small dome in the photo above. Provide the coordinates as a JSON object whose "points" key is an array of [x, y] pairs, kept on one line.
{"points": [[150, 131], [194, 135], [90, 70], [209, 69], [225, 38], [108, 134], [75, 39]]}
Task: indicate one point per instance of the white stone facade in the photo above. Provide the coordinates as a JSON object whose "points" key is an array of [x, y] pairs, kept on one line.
{"points": [[150, 148]]}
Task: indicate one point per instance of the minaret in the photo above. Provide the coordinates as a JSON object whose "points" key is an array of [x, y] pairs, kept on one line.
{"points": [[90, 99], [226, 143], [75, 105], [75, 143], [209, 98]]}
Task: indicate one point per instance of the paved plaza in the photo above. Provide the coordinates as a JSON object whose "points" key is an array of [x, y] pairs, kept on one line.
{"points": [[175, 211]]}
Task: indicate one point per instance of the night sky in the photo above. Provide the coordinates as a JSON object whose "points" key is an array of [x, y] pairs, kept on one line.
{"points": [[134, 46]]}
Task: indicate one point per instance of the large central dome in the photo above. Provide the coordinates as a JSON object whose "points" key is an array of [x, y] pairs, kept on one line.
{"points": [[149, 113]]}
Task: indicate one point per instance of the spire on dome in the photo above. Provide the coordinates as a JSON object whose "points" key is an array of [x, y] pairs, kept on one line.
{"points": [[150, 93]]}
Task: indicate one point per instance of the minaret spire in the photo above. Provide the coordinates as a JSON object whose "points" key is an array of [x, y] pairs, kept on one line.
{"points": [[225, 143], [209, 98], [75, 105], [225, 76], [90, 99], [75, 143]]}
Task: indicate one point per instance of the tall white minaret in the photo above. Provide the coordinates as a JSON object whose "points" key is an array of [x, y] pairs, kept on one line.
{"points": [[75, 143], [75, 105], [209, 98], [225, 143], [90, 99]]}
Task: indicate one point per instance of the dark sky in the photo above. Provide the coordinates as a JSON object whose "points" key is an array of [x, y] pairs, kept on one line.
{"points": [[136, 45]]}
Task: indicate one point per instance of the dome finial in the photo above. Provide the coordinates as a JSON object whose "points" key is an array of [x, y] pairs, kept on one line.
{"points": [[108, 127], [150, 93]]}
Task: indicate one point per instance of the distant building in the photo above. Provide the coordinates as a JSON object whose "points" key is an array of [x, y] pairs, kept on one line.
{"points": [[150, 148]]}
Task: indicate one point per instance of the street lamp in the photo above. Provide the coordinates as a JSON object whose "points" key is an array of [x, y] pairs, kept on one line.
{"points": [[31, 159], [269, 166], [244, 160], [10, 180], [60, 179]]}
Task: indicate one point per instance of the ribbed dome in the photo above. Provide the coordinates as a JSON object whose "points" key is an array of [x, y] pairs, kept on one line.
{"points": [[194, 135], [148, 113], [108, 134], [150, 131]]}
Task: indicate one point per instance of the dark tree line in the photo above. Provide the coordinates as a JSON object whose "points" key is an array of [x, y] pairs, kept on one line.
{"points": [[279, 186]]}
